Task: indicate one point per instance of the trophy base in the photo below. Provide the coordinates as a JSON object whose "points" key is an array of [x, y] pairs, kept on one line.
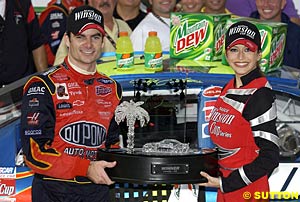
{"points": [[140, 168]]}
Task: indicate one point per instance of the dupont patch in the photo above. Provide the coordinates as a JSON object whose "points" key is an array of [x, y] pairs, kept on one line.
{"points": [[83, 133]]}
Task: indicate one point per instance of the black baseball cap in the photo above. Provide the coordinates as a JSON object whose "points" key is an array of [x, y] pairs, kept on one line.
{"points": [[245, 33], [83, 18]]}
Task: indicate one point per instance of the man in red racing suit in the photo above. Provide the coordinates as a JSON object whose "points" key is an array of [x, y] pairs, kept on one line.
{"points": [[67, 114]]}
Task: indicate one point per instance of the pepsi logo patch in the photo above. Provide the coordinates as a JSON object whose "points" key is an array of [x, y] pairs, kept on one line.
{"points": [[103, 90]]}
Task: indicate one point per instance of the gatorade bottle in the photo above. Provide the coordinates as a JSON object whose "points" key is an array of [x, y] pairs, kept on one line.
{"points": [[124, 52], [153, 52]]}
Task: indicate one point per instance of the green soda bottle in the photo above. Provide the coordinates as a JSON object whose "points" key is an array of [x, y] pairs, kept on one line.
{"points": [[124, 52], [153, 52]]}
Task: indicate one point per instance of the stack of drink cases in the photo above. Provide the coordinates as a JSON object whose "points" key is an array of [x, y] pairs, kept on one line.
{"points": [[201, 37], [152, 52]]}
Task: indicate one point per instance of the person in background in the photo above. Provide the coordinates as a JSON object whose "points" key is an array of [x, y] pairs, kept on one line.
{"points": [[243, 8], [246, 7], [190, 6], [112, 27], [53, 24], [22, 50], [291, 11], [157, 20], [247, 139], [63, 121], [130, 12], [271, 10], [214, 7]]}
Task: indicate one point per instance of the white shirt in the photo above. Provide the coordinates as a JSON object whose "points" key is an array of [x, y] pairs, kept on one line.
{"points": [[2, 8], [151, 23]]}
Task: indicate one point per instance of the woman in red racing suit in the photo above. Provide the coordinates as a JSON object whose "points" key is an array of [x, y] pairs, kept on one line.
{"points": [[242, 123]]}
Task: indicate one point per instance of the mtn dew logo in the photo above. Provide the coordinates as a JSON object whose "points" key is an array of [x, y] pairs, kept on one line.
{"points": [[263, 36], [188, 36], [193, 36], [277, 50], [219, 36]]}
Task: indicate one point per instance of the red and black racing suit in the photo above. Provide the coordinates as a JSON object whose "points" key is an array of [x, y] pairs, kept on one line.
{"points": [[66, 117], [242, 125]]}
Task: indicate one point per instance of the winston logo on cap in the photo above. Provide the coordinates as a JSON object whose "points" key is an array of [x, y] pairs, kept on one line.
{"points": [[88, 14], [242, 30]]}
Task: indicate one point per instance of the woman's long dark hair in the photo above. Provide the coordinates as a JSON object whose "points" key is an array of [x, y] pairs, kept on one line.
{"points": [[257, 64]]}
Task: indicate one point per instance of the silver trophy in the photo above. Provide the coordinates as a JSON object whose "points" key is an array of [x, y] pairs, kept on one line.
{"points": [[167, 161], [131, 111]]}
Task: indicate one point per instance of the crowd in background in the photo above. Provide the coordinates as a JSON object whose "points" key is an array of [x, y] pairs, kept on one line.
{"points": [[39, 41]]}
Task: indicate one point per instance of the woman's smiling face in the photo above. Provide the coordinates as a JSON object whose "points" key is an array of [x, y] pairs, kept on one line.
{"points": [[242, 60]]}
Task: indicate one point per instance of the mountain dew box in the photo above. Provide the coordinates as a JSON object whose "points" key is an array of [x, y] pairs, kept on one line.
{"points": [[273, 39], [197, 36]]}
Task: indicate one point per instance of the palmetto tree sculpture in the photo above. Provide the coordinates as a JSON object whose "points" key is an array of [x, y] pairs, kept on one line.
{"points": [[131, 111]]}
